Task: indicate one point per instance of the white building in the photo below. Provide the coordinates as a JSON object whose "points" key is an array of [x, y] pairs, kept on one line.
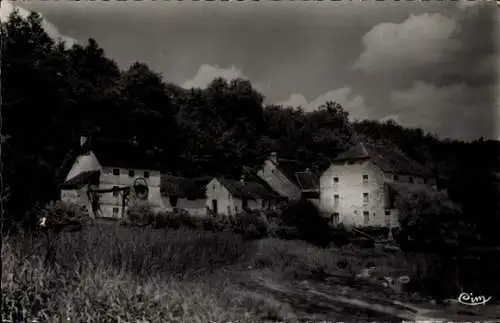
{"points": [[360, 186]]}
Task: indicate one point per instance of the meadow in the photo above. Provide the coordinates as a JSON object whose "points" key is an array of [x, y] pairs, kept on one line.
{"points": [[111, 273], [175, 269]]}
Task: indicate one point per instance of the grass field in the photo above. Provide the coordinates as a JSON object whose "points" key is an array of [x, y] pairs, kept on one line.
{"points": [[108, 273]]}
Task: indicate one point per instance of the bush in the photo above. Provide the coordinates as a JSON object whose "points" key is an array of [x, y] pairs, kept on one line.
{"points": [[140, 213], [340, 235], [59, 216], [284, 232], [305, 216], [242, 222]]}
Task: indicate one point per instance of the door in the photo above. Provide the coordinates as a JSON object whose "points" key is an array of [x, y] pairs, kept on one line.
{"points": [[214, 206]]}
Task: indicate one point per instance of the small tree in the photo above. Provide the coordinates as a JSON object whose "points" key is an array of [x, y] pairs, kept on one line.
{"points": [[432, 220], [140, 213], [312, 227], [431, 226]]}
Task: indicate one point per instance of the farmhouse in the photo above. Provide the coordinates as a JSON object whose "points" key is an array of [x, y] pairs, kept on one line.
{"points": [[289, 178], [183, 193], [227, 196], [102, 174], [360, 186]]}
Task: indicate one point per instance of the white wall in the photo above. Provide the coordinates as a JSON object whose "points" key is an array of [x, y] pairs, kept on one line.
{"points": [[108, 180], [350, 189], [278, 181], [226, 204]]}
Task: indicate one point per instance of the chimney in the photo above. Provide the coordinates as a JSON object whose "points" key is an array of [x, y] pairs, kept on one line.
{"points": [[274, 157], [83, 140]]}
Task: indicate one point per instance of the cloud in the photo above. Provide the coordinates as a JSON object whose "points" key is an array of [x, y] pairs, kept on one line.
{"points": [[7, 8], [207, 73], [354, 104], [393, 117], [456, 111], [418, 41]]}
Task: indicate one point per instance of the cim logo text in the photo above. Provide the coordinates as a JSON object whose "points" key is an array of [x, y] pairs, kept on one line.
{"points": [[471, 300]]}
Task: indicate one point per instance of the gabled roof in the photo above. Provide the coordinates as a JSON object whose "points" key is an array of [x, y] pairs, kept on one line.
{"points": [[307, 180], [389, 160], [176, 186], [289, 168], [252, 188], [81, 179], [122, 154]]}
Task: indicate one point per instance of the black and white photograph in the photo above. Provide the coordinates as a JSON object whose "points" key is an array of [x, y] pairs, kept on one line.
{"points": [[249, 161]]}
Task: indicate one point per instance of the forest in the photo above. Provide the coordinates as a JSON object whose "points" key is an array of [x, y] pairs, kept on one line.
{"points": [[52, 94]]}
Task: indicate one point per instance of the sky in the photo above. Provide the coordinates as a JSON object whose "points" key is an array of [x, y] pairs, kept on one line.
{"points": [[431, 64]]}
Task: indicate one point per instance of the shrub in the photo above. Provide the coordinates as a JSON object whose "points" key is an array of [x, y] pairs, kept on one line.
{"points": [[305, 216], [59, 216], [140, 213], [242, 222], [340, 235]]}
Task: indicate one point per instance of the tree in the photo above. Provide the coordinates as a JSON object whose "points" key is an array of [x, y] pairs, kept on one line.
{"points": [[222, 125]]}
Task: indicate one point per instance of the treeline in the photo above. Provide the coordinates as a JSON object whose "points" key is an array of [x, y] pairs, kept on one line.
{"points": [[51, 94]]}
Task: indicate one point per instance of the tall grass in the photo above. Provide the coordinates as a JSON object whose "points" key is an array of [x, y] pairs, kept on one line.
{"points": [[109, 273]]}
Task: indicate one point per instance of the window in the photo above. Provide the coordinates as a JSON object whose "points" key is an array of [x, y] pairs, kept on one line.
{"points": [[396, 177], [388, 218], [173, 201], [366, 217], [115, 193], [263, 203], [116, 171], [410, 179], [365, 179], [336, 199], [115, 212], [244, 204], [335, 218], [335, 180], [131, 173], [146, 174], [365, 198]]}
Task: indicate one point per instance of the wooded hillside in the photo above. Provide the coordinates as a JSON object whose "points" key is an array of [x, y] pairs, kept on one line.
{"points": [[51, 95]]}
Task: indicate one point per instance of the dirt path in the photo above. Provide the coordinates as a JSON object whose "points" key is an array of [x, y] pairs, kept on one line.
{"points": [[312, 300]]}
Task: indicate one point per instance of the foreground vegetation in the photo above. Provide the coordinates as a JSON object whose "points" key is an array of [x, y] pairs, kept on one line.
{"points": [[183, 270], [108, 273]]}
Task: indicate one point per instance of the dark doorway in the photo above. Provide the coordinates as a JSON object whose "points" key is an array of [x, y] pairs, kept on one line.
{"points": [[214, 206]]}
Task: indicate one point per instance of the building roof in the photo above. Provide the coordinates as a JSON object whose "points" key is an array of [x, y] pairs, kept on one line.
{"points": [[389, 160], [307, 180], [177, 186], [298, 173], [252, 188], [122, 154], [80, 180]]}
